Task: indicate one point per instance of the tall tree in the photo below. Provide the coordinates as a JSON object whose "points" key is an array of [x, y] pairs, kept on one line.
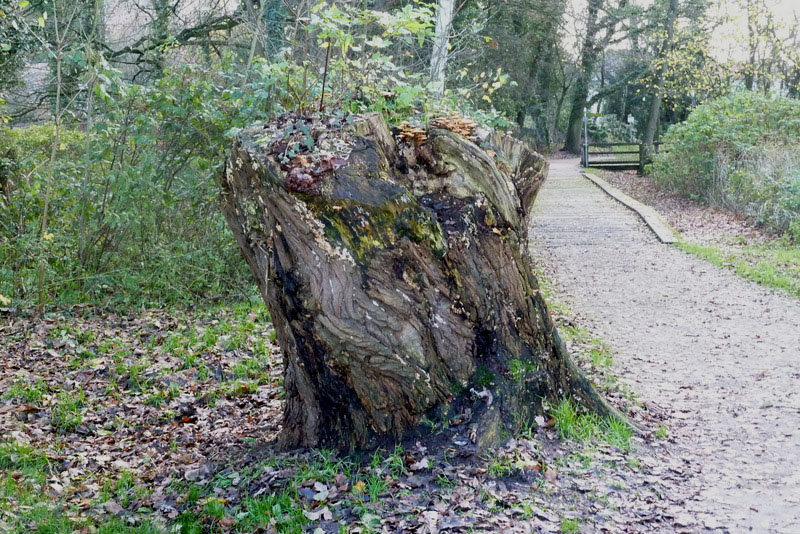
{"points": [[63, 16], [599, 32], [256, 15], [772, 53], [670, 18], [523, 38], [162, 16], [444, 23], [790, 62]]}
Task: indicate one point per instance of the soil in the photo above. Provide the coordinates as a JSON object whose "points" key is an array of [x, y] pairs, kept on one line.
{"points": [[718, 355]]}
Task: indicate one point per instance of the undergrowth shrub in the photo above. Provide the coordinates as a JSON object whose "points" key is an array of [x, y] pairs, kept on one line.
{"points": [[610, 129], [741, 152], [133, 217]]}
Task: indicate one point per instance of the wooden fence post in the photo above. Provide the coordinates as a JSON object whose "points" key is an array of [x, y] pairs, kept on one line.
{"points": [[642, 154]]}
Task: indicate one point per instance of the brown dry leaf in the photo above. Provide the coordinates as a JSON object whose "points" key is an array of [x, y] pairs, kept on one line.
{"points": [[550, 474], [321, 492], [323, 513], [432, 519], [114, 508], [359, 487], [420, 465]]}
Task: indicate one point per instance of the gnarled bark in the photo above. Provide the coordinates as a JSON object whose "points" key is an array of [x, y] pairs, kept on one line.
{"points": [[401, 288]]}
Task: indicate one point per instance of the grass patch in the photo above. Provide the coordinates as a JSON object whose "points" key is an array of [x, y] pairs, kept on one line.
{"points": [[600, 358], [23, 472], [595, 357], [444, 482], [18, 456], [150, 363], [588, 427], [570, 526], [375, 486], [67, 412], [30, 392], [520, 370], [773, 265], [279, 511], [500, 466], [254, 367], [26, 507], [123, 490], [163, 396]]}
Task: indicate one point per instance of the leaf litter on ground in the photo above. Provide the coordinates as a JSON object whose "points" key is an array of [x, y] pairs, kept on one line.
{"points": [[170, 418]]}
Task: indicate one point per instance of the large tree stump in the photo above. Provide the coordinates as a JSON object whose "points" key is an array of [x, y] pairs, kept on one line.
{"points": [[400, 286]]}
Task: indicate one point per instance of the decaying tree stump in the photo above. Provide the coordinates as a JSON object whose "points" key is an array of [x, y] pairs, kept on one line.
{"points": [[400, 286]]}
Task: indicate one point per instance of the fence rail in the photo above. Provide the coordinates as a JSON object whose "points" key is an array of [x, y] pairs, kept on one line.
{"points": [[616, 156]]}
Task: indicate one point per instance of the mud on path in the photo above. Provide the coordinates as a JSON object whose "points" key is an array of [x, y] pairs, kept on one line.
{"points": [[720, 355]]}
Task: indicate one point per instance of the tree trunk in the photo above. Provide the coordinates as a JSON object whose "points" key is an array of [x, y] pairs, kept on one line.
{"points": [[752, 44], [160, 27], [257, 42], [658, 89], [402, 288], [589, 51], [444, 20]]}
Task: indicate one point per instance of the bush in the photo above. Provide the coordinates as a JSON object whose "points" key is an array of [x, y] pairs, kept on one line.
{"points": [[609, 129], [133, 217], [741, 152]]}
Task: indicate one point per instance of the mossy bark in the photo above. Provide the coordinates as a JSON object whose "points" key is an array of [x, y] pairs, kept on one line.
{"points": [[402, 289]]}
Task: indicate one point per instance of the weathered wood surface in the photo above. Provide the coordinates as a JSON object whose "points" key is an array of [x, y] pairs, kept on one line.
{"points": [[402, 287]]}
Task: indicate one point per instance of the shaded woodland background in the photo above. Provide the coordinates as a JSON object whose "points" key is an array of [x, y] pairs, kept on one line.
{"points": [[118, 113]]}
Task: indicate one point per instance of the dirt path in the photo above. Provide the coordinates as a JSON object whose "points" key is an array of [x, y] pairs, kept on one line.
{"points": [[721, 355]]}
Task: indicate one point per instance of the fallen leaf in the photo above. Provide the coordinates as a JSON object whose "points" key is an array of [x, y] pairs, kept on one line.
{"points": [[550, 474], [359, 487], [424, 463], [114, 508], [323, 513], [321, 492]]}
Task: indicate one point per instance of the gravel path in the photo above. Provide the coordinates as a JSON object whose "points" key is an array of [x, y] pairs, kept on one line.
{"points": [[719, 354]]}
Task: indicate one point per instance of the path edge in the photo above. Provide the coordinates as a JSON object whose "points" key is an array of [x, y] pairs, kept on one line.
{"points": [[663, 231]]}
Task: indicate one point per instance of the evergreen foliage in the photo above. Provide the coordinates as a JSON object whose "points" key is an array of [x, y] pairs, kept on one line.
{"points": [[740, 152]]}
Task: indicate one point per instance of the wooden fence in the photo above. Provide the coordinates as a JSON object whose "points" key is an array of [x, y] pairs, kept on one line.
{"points": [[616, 156]]}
